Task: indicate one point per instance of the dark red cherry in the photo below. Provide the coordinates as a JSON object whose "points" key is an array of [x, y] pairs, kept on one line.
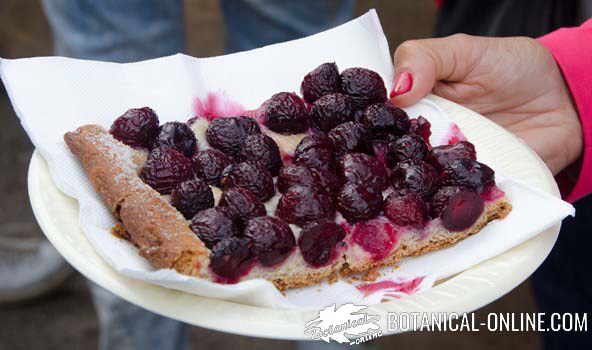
{"points": [[414, 176], [294, 174], [213, 225], [302, 204], [232, 258], [442, 155], [263, 150], [462, 211], [272, 238], [178, 136], [468, 173], [250, 176], [364, 86], [315, 151], [356, 202], [349, 137], [241, 205], [165, 168], [137, 127], [407, 147], [378, 237], [228, 134], [328, 179], [421, 127], [209, 164], [285, 113], [192, 196], [441, 197], [406, 210], [384, 118], [331, 110], [365, 170], [321, 81], [319, 241]]}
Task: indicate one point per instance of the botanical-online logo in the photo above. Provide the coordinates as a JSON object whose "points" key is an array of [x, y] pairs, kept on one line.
{"points": [[347, 324]]}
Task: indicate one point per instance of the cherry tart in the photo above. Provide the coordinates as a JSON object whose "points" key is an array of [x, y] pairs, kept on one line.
{"points": [[301, 190]]}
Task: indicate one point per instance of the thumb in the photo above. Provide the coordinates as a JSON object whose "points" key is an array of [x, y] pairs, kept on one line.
{"points": [[420, 64]]}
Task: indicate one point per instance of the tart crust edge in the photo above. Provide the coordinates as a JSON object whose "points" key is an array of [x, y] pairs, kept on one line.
{"points": [[159, 231]]}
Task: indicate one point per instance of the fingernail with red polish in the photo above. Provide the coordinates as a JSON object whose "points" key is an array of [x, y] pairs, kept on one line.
{"points": [[403, 83]]}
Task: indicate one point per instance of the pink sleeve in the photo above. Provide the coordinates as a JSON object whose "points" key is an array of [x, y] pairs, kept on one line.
{"points": [[572, 50]]}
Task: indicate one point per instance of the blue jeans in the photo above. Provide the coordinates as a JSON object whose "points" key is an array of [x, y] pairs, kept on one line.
{"points": [[132, 30]]}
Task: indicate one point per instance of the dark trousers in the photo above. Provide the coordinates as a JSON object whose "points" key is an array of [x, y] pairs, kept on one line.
{"points": [[562, 283]]}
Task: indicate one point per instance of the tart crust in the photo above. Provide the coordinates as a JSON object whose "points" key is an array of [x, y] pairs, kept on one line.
{"points": [[164, 238], [159, 231]]}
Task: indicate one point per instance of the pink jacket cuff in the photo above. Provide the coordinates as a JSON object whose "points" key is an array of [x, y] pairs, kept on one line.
{"points": [[572, 50]]}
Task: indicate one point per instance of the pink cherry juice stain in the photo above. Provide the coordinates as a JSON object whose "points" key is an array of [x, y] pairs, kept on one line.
{"points": [[377, 236], [287, 158], [216, 105], [454, 135], [492, 193], [392, 287]]}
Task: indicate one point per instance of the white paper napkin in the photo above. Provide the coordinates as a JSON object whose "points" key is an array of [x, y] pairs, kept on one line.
{"points": [[53, 95]]}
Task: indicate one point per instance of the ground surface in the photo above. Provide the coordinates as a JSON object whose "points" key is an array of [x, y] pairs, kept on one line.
{"points": [[65, 319]]}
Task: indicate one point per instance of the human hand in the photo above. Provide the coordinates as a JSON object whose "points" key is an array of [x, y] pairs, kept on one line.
{"points": [[513, 81]]}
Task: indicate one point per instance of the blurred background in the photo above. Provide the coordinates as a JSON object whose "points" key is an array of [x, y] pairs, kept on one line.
{"points": [[65, 319]]}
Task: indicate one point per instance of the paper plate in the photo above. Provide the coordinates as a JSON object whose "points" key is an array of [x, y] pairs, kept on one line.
{"points": [[57, 215]]}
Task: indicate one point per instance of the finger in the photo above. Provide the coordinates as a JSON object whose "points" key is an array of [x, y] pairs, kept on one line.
{"points": [[419, 64]]}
